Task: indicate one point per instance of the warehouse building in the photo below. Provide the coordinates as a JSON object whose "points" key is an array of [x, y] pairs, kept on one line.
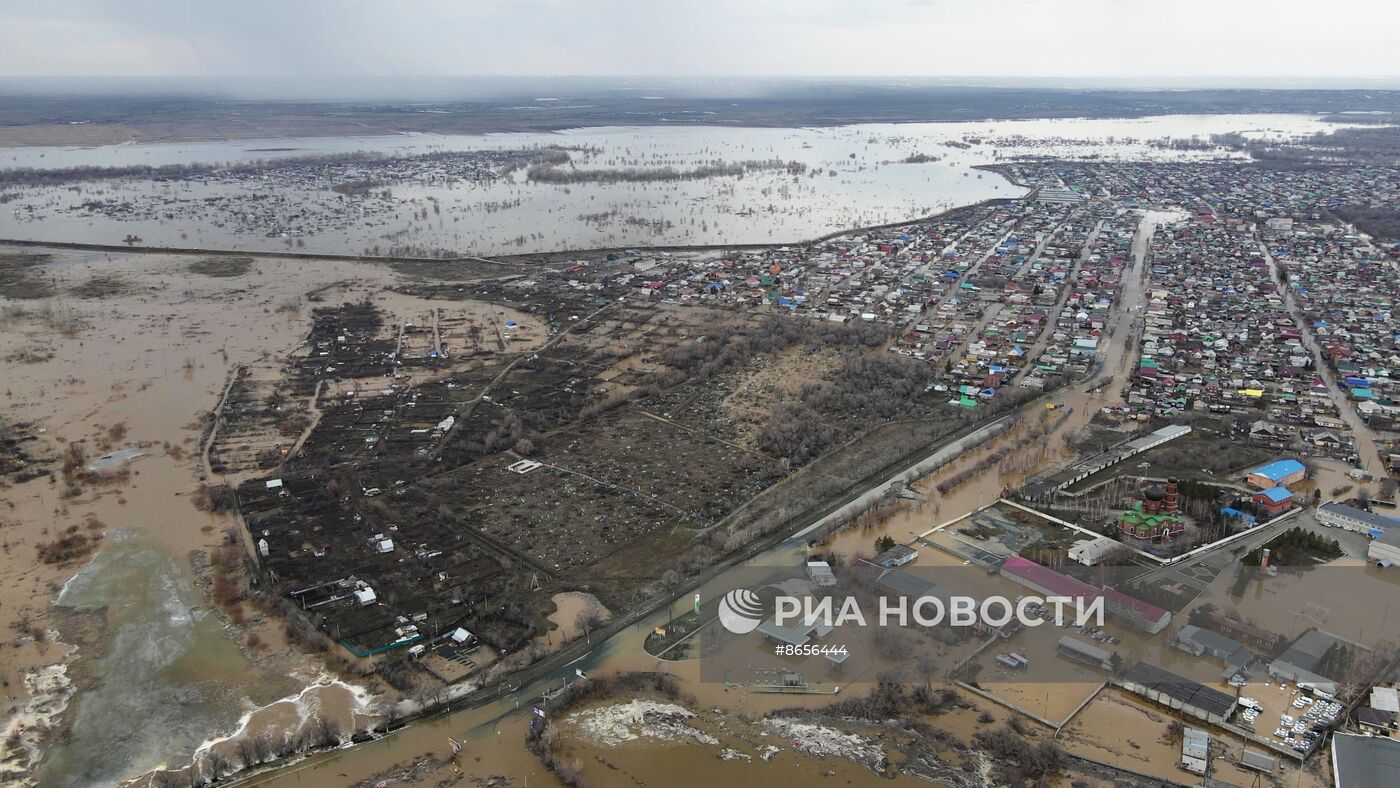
{"points": [[1364, 761], [1300, 661], [1195, 750], [1196, 641], [1179, 693], [1043, 580], [896, 556], [1084, 653], [1279, 473], [1091, 551]]}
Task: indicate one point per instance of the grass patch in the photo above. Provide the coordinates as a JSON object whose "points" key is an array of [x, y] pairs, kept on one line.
{"points": [[19, 277], [221, 267], [72, 546], [59, 318], [101, 286]]}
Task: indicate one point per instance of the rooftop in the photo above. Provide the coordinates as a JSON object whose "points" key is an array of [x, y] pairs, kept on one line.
{"points": [[1365, 761], [1278, 469], [1180, 688], [1307, 651], [1372, 519]]}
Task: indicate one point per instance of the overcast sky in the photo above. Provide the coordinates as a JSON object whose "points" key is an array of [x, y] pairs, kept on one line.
{"points": [[944, 38]]}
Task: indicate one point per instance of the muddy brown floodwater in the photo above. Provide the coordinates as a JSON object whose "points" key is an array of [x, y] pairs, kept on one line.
{"points": [[121, 632]]}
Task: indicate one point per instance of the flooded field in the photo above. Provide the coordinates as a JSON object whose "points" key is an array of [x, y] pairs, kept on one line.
{"points": [[115, 627], [168, 663], [622, 186]]}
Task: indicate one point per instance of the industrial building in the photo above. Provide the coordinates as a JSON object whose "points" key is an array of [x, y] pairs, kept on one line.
{"points": [[1084, 653], [1177, 692], [1300, 661], [899, 555], [1279, 473], [1339, 515], [1258, 761], [1384, 550], [1196, 641], [1047, 194], [1043, 580], [1364, 761], [819, 572], [1086, 468], [1091, 551]]}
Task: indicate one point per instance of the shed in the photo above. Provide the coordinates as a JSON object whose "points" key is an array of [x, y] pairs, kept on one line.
{"points": [[899, 555], [1195, 750]]}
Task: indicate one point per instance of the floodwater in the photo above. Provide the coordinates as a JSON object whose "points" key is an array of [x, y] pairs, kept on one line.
{"points": [[856, 176], [162, 673], [170, 673]]}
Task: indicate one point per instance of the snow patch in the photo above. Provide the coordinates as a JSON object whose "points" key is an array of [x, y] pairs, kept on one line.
{"points": [[610, 726], [49, 689], [822, 741]]}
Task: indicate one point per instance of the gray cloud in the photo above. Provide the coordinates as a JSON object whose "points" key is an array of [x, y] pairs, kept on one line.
{"points": [[1110, 38]]}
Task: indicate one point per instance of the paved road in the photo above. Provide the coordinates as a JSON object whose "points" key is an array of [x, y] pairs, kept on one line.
{"points": [[1369, 458], [1053, 314]]}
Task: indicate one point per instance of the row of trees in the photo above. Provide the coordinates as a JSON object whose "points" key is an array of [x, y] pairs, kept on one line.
{"points": [[550, 173]]}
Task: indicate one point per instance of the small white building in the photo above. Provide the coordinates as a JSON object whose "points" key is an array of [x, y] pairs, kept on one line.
{"points": [[1091, 551], [365, 596]]}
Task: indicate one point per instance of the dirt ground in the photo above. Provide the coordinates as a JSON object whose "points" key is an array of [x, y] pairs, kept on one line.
{"points": [[1119, 730]]}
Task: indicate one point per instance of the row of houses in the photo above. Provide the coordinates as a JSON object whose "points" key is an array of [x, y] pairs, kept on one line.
{"points": [[1218, 338], [1347, 288], [1219, 335]]}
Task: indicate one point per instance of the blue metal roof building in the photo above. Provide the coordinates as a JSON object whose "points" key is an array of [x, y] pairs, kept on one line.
{"points": [[1279, 469]]}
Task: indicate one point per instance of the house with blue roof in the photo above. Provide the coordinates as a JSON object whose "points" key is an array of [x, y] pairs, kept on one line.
{"points": [[1274, 501]]}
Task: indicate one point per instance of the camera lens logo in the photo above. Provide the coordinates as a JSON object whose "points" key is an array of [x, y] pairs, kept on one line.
{"points": [[740, 611]]}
